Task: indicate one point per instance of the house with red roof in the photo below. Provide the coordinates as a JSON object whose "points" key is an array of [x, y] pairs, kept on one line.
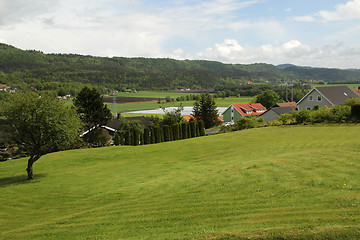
{"points": [[237, 110], [187, 118]]}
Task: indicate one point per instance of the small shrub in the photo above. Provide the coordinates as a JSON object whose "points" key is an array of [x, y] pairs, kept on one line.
{"points": [[244, 123], [286, 118], [303, 116], [340, 114], [320, 116]]}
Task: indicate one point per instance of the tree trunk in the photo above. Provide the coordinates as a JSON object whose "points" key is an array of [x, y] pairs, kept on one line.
{"points": [[29, 168]]}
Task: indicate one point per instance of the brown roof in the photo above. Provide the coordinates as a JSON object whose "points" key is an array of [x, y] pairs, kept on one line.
{"points": [[286, 104]]}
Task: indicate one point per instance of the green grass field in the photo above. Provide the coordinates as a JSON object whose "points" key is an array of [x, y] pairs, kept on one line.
{"points": [[124, 107], [298, 182]]}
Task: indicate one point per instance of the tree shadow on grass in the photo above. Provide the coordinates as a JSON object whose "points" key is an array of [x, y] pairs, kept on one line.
{"points": [[20, 179]]}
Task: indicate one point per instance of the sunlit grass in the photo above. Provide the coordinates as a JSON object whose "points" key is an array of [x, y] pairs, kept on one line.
{"points": [[278, 181]]}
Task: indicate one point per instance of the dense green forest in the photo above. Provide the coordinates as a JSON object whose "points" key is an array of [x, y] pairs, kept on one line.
{"points": [[68, 73]]}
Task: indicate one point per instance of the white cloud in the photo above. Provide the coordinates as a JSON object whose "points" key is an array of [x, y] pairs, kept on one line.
{"points": [[342, 12], [307, 18], [293, 51], [348, 11]]}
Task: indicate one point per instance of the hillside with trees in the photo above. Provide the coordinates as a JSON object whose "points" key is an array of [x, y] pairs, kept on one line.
{"points": [[63, 74]]}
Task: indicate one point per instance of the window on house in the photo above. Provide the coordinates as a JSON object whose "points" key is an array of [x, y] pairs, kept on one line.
{"points": [[319, 98], [308, 108], [311, 98]]}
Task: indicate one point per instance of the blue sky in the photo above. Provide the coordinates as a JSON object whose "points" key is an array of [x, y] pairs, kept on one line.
{"points": [[319, 33]]}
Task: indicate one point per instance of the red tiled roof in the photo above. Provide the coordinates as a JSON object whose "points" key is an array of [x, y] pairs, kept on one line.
{"points": [[257, 106], [240, 107], [187, 118]]}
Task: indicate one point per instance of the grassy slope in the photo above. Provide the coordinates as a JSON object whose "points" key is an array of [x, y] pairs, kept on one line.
{"points": [[280, 180]]}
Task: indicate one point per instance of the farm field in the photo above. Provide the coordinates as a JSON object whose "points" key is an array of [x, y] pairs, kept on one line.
{"points": [[146, 105], [289, 182], [126, 107]]}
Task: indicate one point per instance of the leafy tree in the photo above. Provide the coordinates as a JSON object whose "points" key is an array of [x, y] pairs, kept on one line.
{"points": [[172, 117], [39, 124], [90, 105], [268, 98], [205, 109]]}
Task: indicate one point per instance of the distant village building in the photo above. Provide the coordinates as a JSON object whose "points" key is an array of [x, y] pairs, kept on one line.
{"points": [[326, 97], [4, 87]]}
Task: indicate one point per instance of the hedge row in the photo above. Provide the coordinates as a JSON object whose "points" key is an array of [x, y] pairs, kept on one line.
{"points": [[158, 134]]}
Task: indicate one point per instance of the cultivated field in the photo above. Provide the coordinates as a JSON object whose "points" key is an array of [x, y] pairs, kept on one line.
{"points": [[299, 182]]}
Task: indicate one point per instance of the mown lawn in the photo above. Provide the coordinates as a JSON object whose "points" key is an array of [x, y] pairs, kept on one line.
{"points": [[299, 182]]}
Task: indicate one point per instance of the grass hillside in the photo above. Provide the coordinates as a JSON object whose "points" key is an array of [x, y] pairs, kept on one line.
{"points": [[298, 182]]}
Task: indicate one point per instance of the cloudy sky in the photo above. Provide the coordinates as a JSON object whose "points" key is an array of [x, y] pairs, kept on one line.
{"points": [[319, 33]]}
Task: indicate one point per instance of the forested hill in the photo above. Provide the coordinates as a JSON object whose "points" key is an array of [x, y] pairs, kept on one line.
{"points": [[28, 68]]}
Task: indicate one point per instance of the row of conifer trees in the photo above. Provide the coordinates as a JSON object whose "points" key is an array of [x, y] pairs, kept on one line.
{"points": [[158, 134]]}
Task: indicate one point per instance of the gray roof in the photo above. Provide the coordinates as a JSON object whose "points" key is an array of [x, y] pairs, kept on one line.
{"points": [[282, 110], [337, 94]]}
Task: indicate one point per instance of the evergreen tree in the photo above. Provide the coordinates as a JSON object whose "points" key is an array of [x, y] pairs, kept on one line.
{"points": [[184, 130], [90, 105], [192, 124], [205, 109], [157, 134], [175, 131], [166, 130], [127, 138], [201, 128], [135, 137], [117, 139], [146, 136], [152, 135]]}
